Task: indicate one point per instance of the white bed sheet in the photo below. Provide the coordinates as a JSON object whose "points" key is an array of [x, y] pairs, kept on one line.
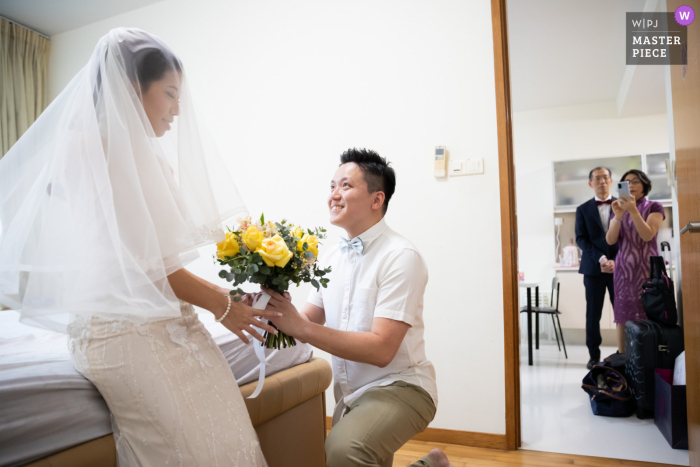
{"points": [[46, 406]]}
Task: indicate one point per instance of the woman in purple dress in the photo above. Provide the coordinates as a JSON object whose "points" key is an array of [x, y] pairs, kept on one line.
{"points": [[635, 224]]}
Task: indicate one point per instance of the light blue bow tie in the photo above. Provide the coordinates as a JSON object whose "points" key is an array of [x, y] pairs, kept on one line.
{"points": [[355, 244]]}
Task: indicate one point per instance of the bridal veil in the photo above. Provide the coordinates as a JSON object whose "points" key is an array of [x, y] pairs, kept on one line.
{"points": [[95, 210]]}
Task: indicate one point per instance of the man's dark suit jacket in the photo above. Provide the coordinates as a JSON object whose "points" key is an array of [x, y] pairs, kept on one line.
{"points": [[590, 237]]}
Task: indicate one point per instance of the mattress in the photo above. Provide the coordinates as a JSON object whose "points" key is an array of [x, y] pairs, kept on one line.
{"points": [[46, 406]]}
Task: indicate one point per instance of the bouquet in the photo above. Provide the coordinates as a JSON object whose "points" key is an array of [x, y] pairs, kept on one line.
{"points": [[274, 255]]}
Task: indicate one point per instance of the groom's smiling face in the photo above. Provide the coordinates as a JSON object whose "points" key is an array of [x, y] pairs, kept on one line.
{"points": [[350, 202]]}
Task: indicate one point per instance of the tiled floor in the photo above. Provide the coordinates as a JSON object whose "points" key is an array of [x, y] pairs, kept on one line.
{"points": [[557, 417]]}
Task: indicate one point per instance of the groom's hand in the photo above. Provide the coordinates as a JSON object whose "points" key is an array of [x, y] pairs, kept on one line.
{"points": [[291, 322]]}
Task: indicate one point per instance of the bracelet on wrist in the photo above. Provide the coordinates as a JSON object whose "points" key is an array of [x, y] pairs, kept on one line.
{"points": [[616, 219], [228, 308]]}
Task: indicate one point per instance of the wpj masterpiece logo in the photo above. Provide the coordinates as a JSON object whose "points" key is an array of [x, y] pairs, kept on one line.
{"points": [[658, 38]]}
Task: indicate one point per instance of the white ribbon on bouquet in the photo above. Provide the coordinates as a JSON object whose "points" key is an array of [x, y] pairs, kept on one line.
{"points": [[260, 304]]}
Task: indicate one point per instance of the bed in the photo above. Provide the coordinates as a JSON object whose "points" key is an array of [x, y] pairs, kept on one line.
{"points": [[50, 415]]}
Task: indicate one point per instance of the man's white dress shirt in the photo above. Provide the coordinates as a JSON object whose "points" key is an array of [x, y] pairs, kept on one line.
{"points": [[604, 211], [386, 281]]}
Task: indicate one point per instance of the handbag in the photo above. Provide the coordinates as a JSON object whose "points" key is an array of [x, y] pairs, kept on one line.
{"points": [[610, 394], [658, 295]]}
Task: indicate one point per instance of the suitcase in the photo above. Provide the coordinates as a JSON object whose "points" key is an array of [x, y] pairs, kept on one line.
{"points": [[649, 345]]}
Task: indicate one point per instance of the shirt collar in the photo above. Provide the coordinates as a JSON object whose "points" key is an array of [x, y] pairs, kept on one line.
{"points": [[371, 234], [599, 199]]}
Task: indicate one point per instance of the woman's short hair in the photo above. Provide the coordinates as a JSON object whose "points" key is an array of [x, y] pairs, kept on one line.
{"points": [[646, 183]]}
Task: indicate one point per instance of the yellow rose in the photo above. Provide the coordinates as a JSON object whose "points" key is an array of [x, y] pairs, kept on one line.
{"points": [[229, 247], [297, 233], [274, 251], [312, 241], [253, 237]]}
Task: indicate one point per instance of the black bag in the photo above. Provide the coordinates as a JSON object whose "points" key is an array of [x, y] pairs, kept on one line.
{"points": [[617, 361], [649, 346], [671, 410], [616, 399], [658, 295]]}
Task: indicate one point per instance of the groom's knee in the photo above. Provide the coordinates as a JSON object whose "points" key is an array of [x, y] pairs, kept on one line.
{"points": [[342, 451]]}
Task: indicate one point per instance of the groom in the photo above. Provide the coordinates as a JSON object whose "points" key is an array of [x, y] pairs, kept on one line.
{"points": [[372, 310]]}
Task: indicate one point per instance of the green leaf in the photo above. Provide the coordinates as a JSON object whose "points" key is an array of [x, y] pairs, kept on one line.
{"points": [[276, 281], [265, 270], [237, 271], [324, 285], [236, 299], [308, 254], [252, 269], [223, 274], [262, 218], [305, 246], [315, 283]]}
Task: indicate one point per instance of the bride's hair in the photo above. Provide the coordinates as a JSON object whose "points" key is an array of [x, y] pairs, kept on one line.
{"points": [[152, 67]]}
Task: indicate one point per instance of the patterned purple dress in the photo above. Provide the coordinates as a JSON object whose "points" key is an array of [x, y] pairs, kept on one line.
{"points": [[632, 264]]}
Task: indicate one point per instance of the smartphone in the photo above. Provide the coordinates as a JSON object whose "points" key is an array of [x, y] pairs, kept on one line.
{"points": [[623, 188]]}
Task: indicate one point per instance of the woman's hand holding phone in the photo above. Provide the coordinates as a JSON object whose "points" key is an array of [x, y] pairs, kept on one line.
{"points": [[629, 204], [618, 209]]}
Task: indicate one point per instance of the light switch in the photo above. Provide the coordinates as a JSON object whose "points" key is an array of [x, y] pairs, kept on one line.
{"points": [[474, 166], [468, 167]]}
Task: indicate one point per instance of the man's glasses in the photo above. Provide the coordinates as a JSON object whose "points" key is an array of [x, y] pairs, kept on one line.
{"points": [[601, 179]]}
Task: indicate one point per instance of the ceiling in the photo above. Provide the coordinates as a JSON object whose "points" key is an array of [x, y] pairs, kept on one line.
{"points": [[51, 17], [562, 52], [565, 53]]}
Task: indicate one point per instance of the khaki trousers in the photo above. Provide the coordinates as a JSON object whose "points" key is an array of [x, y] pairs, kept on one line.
{"points": [[380, 421]]}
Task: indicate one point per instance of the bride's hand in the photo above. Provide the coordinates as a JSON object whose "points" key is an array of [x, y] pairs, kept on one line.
{"points": [[249, 298], [241, 318]]}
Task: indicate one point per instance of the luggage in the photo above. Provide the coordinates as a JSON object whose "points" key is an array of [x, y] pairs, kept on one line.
{"points": [[616, 361], [609, 391], [658, 295], [648, 346]]}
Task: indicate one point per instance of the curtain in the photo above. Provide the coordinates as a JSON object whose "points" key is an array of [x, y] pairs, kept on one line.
{"points": [[24, 80]]}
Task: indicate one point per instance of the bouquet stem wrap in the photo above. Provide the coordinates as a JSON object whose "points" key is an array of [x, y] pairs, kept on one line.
{"points": [[260, 304]]}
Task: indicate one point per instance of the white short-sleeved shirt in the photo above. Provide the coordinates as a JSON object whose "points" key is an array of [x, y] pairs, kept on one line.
{"points": [[387, 281]]}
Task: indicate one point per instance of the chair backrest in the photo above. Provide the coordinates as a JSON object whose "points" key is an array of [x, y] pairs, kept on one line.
{"points": [[555, 286]]}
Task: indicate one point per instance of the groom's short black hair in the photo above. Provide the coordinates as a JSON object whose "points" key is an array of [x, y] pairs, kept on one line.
{"points": [[376, 171]]}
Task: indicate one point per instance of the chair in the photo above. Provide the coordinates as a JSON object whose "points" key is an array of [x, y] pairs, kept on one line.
{"points": [[553, 311]]}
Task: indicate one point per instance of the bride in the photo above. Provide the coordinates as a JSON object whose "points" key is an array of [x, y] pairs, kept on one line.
{"points": [[99, 214]]}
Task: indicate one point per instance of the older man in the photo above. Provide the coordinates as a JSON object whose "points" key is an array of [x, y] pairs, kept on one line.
{"points": [[598, 260]]}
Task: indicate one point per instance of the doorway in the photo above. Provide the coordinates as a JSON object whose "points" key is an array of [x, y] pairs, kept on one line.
{"points": [[558, 115]]}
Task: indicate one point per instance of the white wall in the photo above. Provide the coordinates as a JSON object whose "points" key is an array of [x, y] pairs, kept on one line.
{"points": [[564, 133], [285, 87]]}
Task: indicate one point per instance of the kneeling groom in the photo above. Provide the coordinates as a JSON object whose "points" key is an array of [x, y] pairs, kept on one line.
{"points": [[384, 386]]}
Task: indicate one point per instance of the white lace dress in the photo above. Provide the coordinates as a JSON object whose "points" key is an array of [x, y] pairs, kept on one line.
{"points": [[172, 395]]}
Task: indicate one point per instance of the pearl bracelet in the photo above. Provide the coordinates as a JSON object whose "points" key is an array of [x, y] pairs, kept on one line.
{"points": [[615, 219], [228, 308]]}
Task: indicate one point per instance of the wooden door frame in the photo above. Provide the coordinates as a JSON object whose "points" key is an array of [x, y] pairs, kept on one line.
{"points": [[509, 224]]}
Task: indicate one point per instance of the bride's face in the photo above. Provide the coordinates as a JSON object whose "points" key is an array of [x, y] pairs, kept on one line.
{"points": [[161, 102]]}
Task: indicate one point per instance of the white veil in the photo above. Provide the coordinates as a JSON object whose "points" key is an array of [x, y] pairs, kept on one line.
{"points": [[96, 211]]}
